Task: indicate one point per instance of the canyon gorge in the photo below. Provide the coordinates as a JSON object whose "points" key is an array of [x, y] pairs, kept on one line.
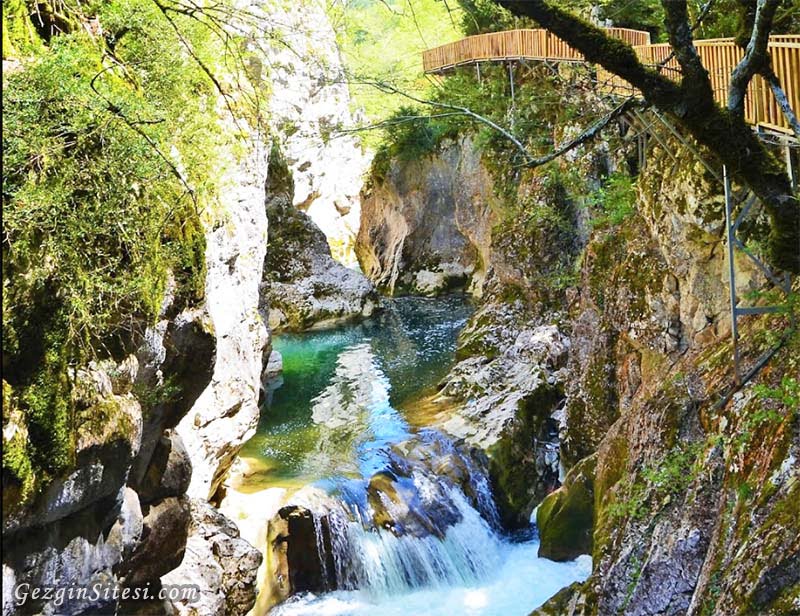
{"points": [[268, 346]]}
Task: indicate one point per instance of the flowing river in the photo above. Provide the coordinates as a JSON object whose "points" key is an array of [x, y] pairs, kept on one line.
{"points": [[340, 418]]}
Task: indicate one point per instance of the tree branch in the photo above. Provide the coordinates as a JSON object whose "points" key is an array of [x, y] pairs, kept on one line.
{"points": [[529, 160], [783, 100], [755, 55], [695, 76], [587, 135], [390, 89], [724, 134]]}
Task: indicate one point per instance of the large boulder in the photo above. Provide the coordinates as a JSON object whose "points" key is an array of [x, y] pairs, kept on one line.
{"points": [[565, 517], [294, 561], [221, 564], [508, 395], [302, 285], [162, 542], [169, 471]]}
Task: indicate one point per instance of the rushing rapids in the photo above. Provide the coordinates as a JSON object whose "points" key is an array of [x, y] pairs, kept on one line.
{"points": [[390, 514]]}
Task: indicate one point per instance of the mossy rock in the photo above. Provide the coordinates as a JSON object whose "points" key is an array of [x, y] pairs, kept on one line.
{"points": [[518, 482], [577, 599], [565, 517]]}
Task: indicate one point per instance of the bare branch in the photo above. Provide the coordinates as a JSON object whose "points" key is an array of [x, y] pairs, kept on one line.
{"points": [[529, 160], [395, 121], [755, 55], [587, 135], [783, 101], [390, 89]]}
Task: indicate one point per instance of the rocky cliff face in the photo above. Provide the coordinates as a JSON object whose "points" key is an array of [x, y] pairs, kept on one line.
{"points": [[426, 226], [599, 359], [302, 285], [157, 426], [310, 103], [226, 412], [691, 487], [440, 220]]}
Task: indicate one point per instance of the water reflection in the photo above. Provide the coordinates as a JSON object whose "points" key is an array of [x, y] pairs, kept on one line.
{"points": [[336, 410]]}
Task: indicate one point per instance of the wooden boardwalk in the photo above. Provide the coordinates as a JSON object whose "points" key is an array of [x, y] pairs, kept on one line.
{"points": [[719, 56]]}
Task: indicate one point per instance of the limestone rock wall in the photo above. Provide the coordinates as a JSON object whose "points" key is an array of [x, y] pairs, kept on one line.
{"points": [[155, 427], [426, 226], [687, 499], [226, 412], [302, 285], [309, 105], [690, 487]]}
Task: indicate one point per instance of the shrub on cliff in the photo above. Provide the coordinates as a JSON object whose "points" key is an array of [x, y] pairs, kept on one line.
{"points": [[110, 133]]}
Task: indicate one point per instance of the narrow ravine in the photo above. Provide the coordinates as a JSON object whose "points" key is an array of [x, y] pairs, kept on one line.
{"points": [[403, 517]]}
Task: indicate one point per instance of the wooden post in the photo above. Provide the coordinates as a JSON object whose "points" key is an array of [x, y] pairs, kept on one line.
{"points": [[511, 80], [730, 231]]}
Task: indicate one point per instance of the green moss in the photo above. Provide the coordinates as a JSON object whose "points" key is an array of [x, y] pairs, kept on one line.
{"points": [[611, 470], [95, 218], [19, 35], [512, 465], [565, 517], [18, 476]]}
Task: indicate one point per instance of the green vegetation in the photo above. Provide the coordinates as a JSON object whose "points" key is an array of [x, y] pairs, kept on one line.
{"points": [[383, 41], [614, 201], [480, 16], [658, 483], [565, 517], [110, 161]]}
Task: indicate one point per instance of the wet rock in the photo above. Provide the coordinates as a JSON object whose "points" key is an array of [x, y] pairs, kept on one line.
{"points": [[508, 395], [294, 561], [569, 601], [399, 506], [565, 517]]}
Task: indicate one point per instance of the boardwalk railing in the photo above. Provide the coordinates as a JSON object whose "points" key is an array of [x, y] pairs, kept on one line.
{"points": [[719, 56], [514, 45]]}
